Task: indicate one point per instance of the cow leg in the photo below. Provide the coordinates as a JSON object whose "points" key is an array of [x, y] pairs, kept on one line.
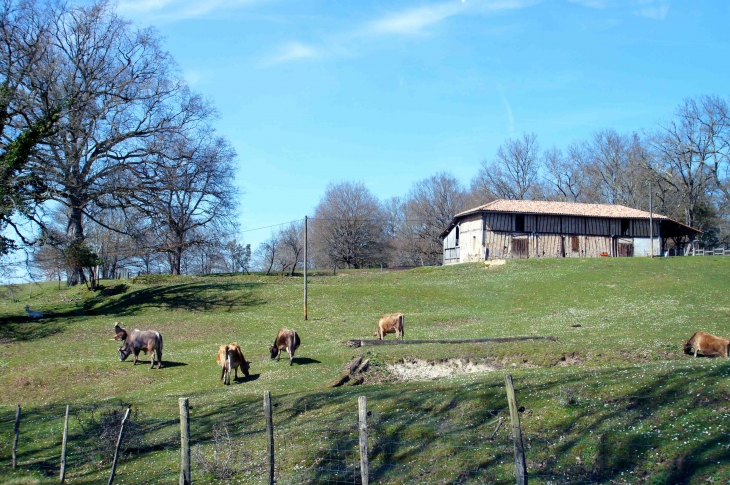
{"points": [[695, 352], [223, 375], [291, 356], [136, 357]]}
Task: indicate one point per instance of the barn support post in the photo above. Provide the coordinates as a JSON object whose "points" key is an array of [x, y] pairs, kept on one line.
{"points": [[17, 435], [269, 435], [116, 450], [520, 463], [62, 476], [184, 441], [362, 406]]}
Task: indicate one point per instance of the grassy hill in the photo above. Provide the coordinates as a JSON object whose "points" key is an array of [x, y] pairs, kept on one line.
{"points": [[613, 400]]}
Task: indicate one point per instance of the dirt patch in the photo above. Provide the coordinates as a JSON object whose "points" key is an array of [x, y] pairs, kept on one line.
{"points": [[572, 358], [419, 369]]}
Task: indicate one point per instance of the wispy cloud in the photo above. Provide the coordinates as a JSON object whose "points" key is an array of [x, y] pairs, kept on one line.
{"points": [[294, 51], [413, 21], [175, 9], [410, 22], [651, 9], [508, 107], [591, 3]]}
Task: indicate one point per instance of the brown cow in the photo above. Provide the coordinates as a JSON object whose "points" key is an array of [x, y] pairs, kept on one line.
{"points": [[230, 357], [285, 339], [144, 340], [391, 324], [706, 344]]}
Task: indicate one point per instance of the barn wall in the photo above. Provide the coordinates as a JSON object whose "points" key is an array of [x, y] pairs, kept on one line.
{"points": [[492, 235]]}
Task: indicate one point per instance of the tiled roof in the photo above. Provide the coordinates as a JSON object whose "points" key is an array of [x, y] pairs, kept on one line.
{"points": [[563, 209]]}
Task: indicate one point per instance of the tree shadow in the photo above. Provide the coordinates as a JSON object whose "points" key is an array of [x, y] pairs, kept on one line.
{"points": [[24, 330], [196, 296]]}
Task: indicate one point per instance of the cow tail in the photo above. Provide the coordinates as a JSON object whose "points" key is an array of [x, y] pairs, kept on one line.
{"points": [[402, 327]]}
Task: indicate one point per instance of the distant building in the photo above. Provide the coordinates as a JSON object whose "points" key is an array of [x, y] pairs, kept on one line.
{"points": [[540, 229]]}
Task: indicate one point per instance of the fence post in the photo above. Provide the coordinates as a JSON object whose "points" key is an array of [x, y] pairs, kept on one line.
{"points": [[63, 447], [184, 441], [17, 434], [520, 464], [116, 450], [362, 405], [269, 435]]}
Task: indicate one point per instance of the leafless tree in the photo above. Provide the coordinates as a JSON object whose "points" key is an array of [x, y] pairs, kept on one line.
{"points": [[565, 175], [186, 187], [266, 254], [119, 90], [513, 173], [291, 246], [691, 150], [430, 206], [238, 256], [348, 227]]}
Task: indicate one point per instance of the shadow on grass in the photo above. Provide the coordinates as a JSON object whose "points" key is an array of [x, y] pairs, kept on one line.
{"points": [[24, 330], [197, 296], [304, 361]]}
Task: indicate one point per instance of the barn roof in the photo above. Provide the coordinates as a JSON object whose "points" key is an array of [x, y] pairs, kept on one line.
{"points": [[610, 211]]}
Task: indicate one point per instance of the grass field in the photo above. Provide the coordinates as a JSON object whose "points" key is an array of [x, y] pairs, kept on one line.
{"points": [[613, 400]]}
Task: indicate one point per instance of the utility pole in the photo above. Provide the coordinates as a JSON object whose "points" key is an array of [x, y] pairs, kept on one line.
{"points": [[305, 268], [651, 221]]}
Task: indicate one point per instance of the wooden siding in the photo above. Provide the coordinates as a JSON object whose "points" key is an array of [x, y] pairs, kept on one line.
{"points": [[491, 235]]}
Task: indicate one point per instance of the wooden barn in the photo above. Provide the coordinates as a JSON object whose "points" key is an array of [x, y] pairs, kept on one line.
{"points": [[541, 229]]}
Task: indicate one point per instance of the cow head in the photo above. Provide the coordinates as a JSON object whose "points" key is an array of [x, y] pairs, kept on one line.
{"points": [[121, 333], [274, 351], [688, 347], [245, 366], [124, 352]]}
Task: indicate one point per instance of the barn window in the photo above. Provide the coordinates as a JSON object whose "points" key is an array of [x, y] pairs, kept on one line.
{"points": [[625, 227], [574, 244], [519, 222], [457, 236]]}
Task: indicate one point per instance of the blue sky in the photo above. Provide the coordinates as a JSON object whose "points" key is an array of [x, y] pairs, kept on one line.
{"points": [[388, 93]]}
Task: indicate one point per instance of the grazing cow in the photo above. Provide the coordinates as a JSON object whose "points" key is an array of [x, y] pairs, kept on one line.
{"points": [[706, 344], [285, 339], [33, 313], [144, 340], [391, 324], [230, 357]]}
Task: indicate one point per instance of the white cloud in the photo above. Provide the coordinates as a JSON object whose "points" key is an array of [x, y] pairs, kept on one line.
{"points": [[591, 3], [508, 107], [294, 51], [413, 21], [175, 9], [651, 9]]}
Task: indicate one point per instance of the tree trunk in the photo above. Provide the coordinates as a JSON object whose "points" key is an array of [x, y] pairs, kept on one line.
{"points": [[74, 235], [175, 260]]}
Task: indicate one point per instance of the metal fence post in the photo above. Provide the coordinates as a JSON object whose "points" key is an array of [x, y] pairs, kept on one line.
{"points": [[184, 441], [63, 447], [363, 428], [17, 435], [520, 463], [269, 435]]}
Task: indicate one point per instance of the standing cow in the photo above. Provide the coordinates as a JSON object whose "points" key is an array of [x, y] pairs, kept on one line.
{"points": [[144, 340], [230, 357], [392, 323], [285, 339]]}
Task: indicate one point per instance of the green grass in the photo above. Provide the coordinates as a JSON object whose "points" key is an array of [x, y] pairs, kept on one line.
{"points": [[614, 400]]}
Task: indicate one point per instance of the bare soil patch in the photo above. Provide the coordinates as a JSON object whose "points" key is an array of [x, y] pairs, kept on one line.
{"points": [[419, 369]]}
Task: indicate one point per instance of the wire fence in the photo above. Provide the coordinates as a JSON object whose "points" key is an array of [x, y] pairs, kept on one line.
{"points": [[321, 445]]}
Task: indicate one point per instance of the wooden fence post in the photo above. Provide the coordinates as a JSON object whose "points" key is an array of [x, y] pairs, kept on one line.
{"points": [[362, 405], [17, 435], [269, 434], [520, 463], [63, 447], [116, 450], [184, 441]]}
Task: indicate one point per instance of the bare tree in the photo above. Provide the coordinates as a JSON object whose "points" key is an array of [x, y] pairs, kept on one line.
{"points": [[238, 255], [431, 205], [185, 188], [690, 152], [513, 173], [119, 90], [291, 246], [265, 255], [348, 227], [565, 175]]}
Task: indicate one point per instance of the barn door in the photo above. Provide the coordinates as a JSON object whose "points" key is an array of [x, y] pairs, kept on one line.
{"points": [[625, 248], [520, 248]]}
